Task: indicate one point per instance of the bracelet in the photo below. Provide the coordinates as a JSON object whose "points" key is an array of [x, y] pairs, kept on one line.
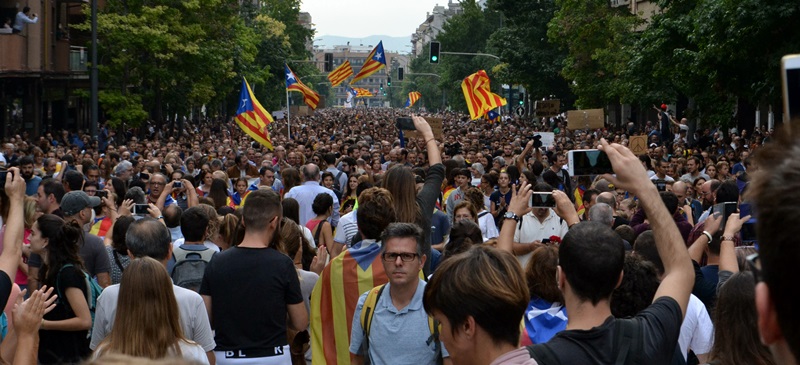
{"points": [[432, 139], [727, 238], [708, 235], [160, 217]]}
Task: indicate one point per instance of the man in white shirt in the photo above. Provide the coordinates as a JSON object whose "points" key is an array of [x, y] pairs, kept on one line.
{"points": [[23, 17], [305, 194], [538, 225]]}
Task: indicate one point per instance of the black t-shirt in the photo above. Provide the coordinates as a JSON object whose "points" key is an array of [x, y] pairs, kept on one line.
{"points": [[5, 288], [57, 347], [660, 328], [250, 289], [92, 252]]}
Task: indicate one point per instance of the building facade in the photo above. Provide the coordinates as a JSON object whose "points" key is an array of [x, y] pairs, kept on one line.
{"points": [[432, 26], [375, 83]]}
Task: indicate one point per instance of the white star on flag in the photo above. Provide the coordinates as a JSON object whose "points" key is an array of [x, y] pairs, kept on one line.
{"points": [[289, 76], [377, 56], [553, 311], [244, 102]]}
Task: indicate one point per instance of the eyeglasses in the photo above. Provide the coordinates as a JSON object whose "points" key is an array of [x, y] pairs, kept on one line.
{"points": [[155, 183], [405, 256], [755, 266]]}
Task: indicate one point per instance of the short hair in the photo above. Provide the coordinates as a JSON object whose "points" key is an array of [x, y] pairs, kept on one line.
{"points": [[727, 192], [588, 194], [147, 237], [645, 246], [602, 212], [591, 256], [607, 198], [375, 212], [53, 186], [626, 232], [637, 289], [122, 166], [403, 230], [670, 201], [329, 158], [261, 206], [194, 223], [310, 172], [172, 216], [26, 160], [540, 274], [74, 180], [465, 204], [463, 235], [136, 194], [322, 202], [483, 283]]}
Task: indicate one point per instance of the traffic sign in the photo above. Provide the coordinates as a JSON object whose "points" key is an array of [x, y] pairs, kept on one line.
{"points": [[520, 111]]}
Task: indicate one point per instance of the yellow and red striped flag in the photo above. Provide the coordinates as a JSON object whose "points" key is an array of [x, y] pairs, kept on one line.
{"points": [[362, 92], [412, 98], [480, 98], [252, 118], [340, 74], [293, 83], [376, 60]]}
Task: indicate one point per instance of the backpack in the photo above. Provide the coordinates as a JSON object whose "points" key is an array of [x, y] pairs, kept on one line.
{"points": [[190, 266], [93, 291], [366, 323], [628, 345], [336, 184]]}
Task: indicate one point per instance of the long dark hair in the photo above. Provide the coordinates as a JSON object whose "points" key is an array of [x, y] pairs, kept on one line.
{"points": [[119, 188], [62, 246], [118, 234], [219, 193]]}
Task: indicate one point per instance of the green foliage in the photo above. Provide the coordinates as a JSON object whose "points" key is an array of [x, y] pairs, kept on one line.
{"points": [[122, 108]]}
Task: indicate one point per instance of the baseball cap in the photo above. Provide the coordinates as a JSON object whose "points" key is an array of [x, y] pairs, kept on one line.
{"points": [[77, 200], [604, 185]]}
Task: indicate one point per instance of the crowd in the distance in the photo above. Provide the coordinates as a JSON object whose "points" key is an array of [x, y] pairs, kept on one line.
{"points": [[347, 244]]}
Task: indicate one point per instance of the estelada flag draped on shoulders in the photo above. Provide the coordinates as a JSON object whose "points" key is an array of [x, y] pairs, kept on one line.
{"points": [[252, 118], [480, 98], [334, 299]]}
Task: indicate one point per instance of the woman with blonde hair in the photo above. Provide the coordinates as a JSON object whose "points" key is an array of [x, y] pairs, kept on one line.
{"points": [[160, 336]]}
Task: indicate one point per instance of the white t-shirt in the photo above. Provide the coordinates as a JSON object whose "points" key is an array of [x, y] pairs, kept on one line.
{"points": [[177, 243], [488, 228], [697, 331], [533, 230]]}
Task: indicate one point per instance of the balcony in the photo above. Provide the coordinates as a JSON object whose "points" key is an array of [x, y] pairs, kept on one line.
{"points": [[15, 52]]}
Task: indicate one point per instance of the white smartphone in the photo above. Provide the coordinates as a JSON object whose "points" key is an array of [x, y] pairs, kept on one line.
{"points": [[790, 74], [588, 162]]}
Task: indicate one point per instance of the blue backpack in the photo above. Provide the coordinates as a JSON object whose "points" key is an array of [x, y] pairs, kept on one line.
{"points": [[93, 290]]}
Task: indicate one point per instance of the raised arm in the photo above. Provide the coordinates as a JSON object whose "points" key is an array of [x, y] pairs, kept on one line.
{"points": [[727, 251], [699, 245], [678, 277], [434, 155], [15, 225], [518, 206]]}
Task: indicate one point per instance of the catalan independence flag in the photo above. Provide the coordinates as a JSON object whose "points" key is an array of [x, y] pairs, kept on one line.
{"points": [[362, 92], [493, 116], [340, 74], [334, 299], [101, 226], [252, 118], [294, 84], [376, 60], [412, 98], [480, 98]]}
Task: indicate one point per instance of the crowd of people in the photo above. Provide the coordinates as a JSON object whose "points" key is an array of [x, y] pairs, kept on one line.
{"points": [[352, 243]]}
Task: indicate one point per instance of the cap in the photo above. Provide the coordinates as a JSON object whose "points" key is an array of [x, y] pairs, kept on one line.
{"points": [[663, 106], [604, 186], [653, 145], [478, 167], [75, 201]]}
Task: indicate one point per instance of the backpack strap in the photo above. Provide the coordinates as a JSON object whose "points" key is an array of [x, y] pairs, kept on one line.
{"points": [[88, 287], [627, 341], [543, 354], [367, 311], [433, 326], [336, 180], [483, 214]]}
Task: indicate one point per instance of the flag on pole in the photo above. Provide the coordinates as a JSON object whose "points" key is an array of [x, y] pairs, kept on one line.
{"points": [[294, 84], [362, 92], [480, 98], [376, 60], [252, 118], [493, 116], [340, 73], [412, 98]]}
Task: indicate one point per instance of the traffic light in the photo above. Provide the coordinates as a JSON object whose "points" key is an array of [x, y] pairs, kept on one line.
{"points": [[328, 62], [389, 81], [400, 74], [521, 98], [434, 52]]}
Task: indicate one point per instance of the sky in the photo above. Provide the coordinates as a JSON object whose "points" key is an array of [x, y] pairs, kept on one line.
{"points": [[359, 18]]}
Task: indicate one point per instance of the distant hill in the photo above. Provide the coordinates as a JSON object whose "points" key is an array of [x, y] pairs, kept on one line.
{"points": [[390, 44]]}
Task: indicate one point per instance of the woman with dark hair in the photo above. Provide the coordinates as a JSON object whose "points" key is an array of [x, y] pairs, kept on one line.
{"points": [[219, 194], [540, 274], [63, 334], [736, 338], [117, 186], [463, 235], [349, 196], [410, 206], [203, 182], [327, 181], [160, 335], [291, 210], [319, 225], [118, 251], [291, 178]]}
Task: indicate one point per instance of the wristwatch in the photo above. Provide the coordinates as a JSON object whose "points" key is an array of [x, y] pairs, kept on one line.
{"points": [[511, 215]]}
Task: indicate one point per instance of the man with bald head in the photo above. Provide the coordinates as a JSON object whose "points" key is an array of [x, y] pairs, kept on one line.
{"points": [[681, 188], [708, 192], [308, 191]]}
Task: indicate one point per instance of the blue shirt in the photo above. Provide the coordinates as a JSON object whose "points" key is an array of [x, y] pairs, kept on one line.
{"points": [[32, 186], [305, 195]]}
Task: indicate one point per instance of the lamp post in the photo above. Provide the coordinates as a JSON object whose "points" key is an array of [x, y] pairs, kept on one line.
{"points": [[93, 74]]}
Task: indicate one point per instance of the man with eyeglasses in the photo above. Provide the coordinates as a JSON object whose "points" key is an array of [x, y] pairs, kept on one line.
{"points": [[157, 184], [397, 328]]}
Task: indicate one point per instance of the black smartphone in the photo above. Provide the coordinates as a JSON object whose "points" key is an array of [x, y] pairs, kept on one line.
{"points": [[542, 200], [588, 162], [3, 173], [141, 209], [144, 176], [726, 209], [748, 231], [405, 123], [101, 194], [177, 184], [661, 184]]}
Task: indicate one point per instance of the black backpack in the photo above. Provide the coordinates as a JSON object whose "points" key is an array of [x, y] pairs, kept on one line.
{"points": [[190, 267]]}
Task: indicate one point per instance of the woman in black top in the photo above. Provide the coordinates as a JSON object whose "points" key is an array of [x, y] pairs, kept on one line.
{"points": [[63, 334]]}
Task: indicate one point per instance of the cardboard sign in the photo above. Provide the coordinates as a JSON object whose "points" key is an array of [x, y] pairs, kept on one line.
{"points": [[585, 119], [548, 108], [548, 138], [436, 128], [638, 145]]}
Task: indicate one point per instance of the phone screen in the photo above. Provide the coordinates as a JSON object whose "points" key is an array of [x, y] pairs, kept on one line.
{"points": [[140, 209], [726, 209], [791, 66], [542, 200], [405, 123], [748, 228], [589, 162]]}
